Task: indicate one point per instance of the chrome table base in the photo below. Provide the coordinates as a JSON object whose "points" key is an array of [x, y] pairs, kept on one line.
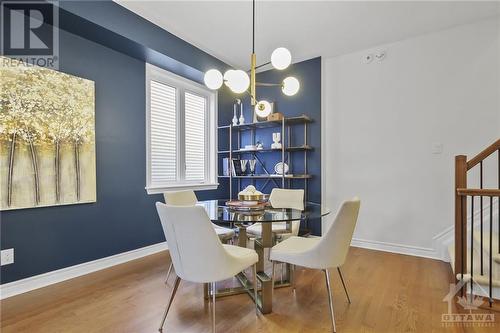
{"points": [[264, 293]]}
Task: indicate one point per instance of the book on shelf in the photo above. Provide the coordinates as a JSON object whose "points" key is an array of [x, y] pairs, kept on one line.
{"points": [[225, 166]]}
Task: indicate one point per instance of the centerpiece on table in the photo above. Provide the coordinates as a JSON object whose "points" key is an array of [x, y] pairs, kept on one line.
{"points": [[249, 199]]}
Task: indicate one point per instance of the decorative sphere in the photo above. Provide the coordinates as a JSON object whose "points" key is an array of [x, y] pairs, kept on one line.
{"points": [[281, 58], [237, 80], [227, 76], [213, 79], [263, 109], [290, 86]]}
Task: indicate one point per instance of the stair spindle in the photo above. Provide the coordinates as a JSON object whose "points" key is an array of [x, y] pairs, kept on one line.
{"points": [[491, 253], [463, 242], [481, 211], [472, 249]]}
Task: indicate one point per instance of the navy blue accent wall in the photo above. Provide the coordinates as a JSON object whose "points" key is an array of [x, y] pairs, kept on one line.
{"points": [[306, 101], [124, 217]]}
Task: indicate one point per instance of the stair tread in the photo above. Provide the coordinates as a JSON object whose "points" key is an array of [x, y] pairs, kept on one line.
{"points": [[481, 279]]}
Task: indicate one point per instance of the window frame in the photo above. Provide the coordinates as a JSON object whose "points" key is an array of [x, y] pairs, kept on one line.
{"points": [[183, 85]]}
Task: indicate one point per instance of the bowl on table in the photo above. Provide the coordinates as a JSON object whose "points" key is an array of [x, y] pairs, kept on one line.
{"points": [[251, 197]]}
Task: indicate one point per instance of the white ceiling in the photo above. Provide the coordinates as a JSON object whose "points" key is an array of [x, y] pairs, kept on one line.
{"points": [[308, 28]]}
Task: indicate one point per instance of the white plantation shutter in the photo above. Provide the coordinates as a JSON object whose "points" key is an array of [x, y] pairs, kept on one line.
{"points": [[163, 149], [195, 137], [181, 125]]}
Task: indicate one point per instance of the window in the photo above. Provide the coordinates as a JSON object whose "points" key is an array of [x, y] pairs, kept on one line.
{"points": [[181, 118]]}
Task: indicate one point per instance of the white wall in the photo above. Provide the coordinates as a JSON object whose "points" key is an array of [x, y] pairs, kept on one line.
{"points": [[381, 121]]}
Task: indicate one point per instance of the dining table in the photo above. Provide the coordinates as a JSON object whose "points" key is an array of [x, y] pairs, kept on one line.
{"points": [[222, 214]]}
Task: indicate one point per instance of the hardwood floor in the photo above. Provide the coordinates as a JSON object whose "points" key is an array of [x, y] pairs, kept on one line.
{"points": [[389, 292]]}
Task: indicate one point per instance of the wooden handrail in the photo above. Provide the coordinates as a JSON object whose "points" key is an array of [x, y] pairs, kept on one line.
{"points": [[482, 155], [478, 192]]}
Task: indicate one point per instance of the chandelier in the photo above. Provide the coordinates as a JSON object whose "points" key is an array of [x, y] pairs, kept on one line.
{"points": [[240, 82]]}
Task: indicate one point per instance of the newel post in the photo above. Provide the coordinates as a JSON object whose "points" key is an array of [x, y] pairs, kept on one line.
{"points": [[460, 215]]}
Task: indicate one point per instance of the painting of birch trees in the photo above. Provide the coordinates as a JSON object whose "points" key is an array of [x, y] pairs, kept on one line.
{"points": [[47, 137]]}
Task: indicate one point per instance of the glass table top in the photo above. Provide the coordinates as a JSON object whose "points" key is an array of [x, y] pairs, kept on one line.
{"points": [[219, 212]]}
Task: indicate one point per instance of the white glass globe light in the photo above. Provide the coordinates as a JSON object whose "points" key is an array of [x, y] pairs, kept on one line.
{"points": [[241, 81], [213, 79], [290, 86], [228, 75], [281, 58], [237, 80], [263, 109]]}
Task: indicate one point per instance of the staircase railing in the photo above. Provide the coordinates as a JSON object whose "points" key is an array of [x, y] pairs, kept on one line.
{"points": [[463, 195]]}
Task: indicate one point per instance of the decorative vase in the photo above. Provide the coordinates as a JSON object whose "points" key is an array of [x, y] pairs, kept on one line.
{"points": [[235, 117], [276, 140], [242, 118]]}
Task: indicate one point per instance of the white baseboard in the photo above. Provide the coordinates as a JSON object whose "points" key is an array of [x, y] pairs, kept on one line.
{"points": [[441, 242], [43, 280], [395, 248]]}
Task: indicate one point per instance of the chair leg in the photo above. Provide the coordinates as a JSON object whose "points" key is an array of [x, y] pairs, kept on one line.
{"points": [[172, 295], [272, 275], [343, 283], [255, 287], [213, 306], [332, 316], [168, 273]]}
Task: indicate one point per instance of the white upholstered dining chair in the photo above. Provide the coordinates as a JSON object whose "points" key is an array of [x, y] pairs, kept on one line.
{"points": [[188, 198], [282, 198], [198, 254], [328, 251]]}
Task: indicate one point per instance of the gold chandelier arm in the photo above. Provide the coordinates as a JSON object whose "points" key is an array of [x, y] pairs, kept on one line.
{"points": [[253, 100], [263, 84], [259, 66], [262, 65]]}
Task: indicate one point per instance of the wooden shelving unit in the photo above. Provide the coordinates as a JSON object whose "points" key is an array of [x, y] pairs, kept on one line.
{"points": [[267, 150], [303, 119], [294, 176], [285, 126]]}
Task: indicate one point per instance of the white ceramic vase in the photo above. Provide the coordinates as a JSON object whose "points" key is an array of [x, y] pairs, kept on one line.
{"points": [[242, 118]]}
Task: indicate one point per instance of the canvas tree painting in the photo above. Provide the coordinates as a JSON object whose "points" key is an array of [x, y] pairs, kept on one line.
{"points": [[47, 137]]}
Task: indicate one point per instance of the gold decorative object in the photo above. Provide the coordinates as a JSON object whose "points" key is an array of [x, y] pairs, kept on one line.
{"points": [[251, 197], [250, 194]]}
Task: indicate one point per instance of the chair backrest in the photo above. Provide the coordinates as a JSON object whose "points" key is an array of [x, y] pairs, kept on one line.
{"points": [[195, 249], [334, 244], [180, 198], [285, 198]]}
